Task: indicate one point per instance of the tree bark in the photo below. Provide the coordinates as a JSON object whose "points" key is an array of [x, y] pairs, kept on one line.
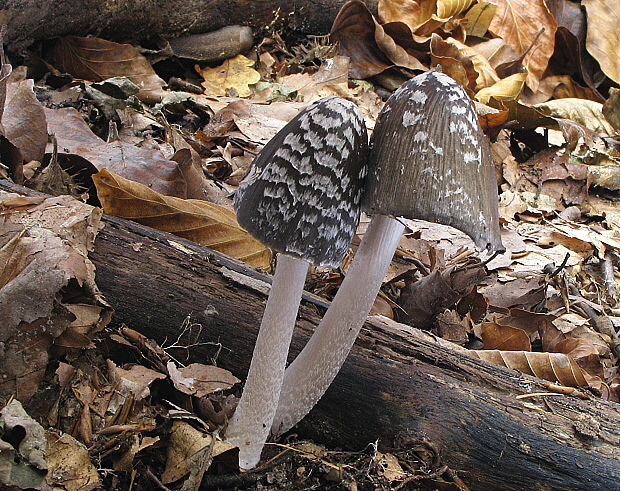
{"points": [[132, 20], [399, 387]]}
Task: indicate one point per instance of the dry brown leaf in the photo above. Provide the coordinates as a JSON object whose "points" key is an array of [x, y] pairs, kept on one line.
{"points": [[553, 367], [393, 39], [186, 451], [144, 165], [414, 13], [69, 464], [353, 31], [96, 59], [205, 223], [585, 112], [506, 338], [23, 120], [43, 261], [519, 22], [486, 74], [454, 62], [235, 73], [201, 380], [603, 37]]}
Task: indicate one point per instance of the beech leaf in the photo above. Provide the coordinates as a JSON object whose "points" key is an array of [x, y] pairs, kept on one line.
{"points": [[205, 223], [553, 367]]}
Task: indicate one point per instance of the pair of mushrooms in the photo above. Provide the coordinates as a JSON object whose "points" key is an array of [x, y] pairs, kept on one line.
{"points": [[428, 159]]}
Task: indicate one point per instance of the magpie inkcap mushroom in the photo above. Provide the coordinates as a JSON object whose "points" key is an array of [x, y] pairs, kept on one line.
{"points": [[428, 160], [302, 199]]}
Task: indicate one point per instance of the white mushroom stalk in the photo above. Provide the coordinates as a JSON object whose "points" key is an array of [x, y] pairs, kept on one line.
{"points": [[429, 160], [301, 198]]}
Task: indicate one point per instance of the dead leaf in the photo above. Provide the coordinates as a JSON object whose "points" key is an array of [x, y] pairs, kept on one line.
{"points": [[186, 451], [96, 59], [413, 13], [235, 73], [69, 464], [553, 367], [506, 89], [449, 8], [205, 223], [603, 40], [144, 165], [585, 112], [23, 120], [201, 380], [479, 18], [43, 260], [521, 23], [136, 380], [499, 337], [353, 31]]}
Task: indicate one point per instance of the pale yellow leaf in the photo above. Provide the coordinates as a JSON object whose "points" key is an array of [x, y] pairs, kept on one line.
{"points": [[236, 73], [448, 8], [506, 89], [479, 18]]}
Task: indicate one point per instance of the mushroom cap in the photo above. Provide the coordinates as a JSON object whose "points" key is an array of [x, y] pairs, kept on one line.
{"points": [[430, 160], [302, 194]]}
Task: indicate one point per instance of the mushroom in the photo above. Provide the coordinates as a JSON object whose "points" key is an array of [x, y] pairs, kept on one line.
{"points": [[302, 199], [428, 160]]}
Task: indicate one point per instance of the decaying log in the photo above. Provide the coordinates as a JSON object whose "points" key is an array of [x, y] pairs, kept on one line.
{"points": [[133, 20], [398, 387]]}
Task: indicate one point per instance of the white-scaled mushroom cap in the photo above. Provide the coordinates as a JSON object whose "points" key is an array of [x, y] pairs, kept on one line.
{"points": [[430, 160], [302, 194]]}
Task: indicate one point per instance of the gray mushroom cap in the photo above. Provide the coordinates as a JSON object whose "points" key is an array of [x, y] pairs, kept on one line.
{"points": [[302, 194], [430, 160]]}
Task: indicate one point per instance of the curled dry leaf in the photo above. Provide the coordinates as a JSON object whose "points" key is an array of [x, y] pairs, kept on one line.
{"points": [[479, 18], [506, 89], [603, 38], [553, 367], [97, 59], [411, 12], [354, 32], [205, 223], [449, 8], [186, 451]]}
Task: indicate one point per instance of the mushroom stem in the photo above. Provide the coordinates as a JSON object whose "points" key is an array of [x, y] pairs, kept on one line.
{"points": [[314, 369], [249, 427]]}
